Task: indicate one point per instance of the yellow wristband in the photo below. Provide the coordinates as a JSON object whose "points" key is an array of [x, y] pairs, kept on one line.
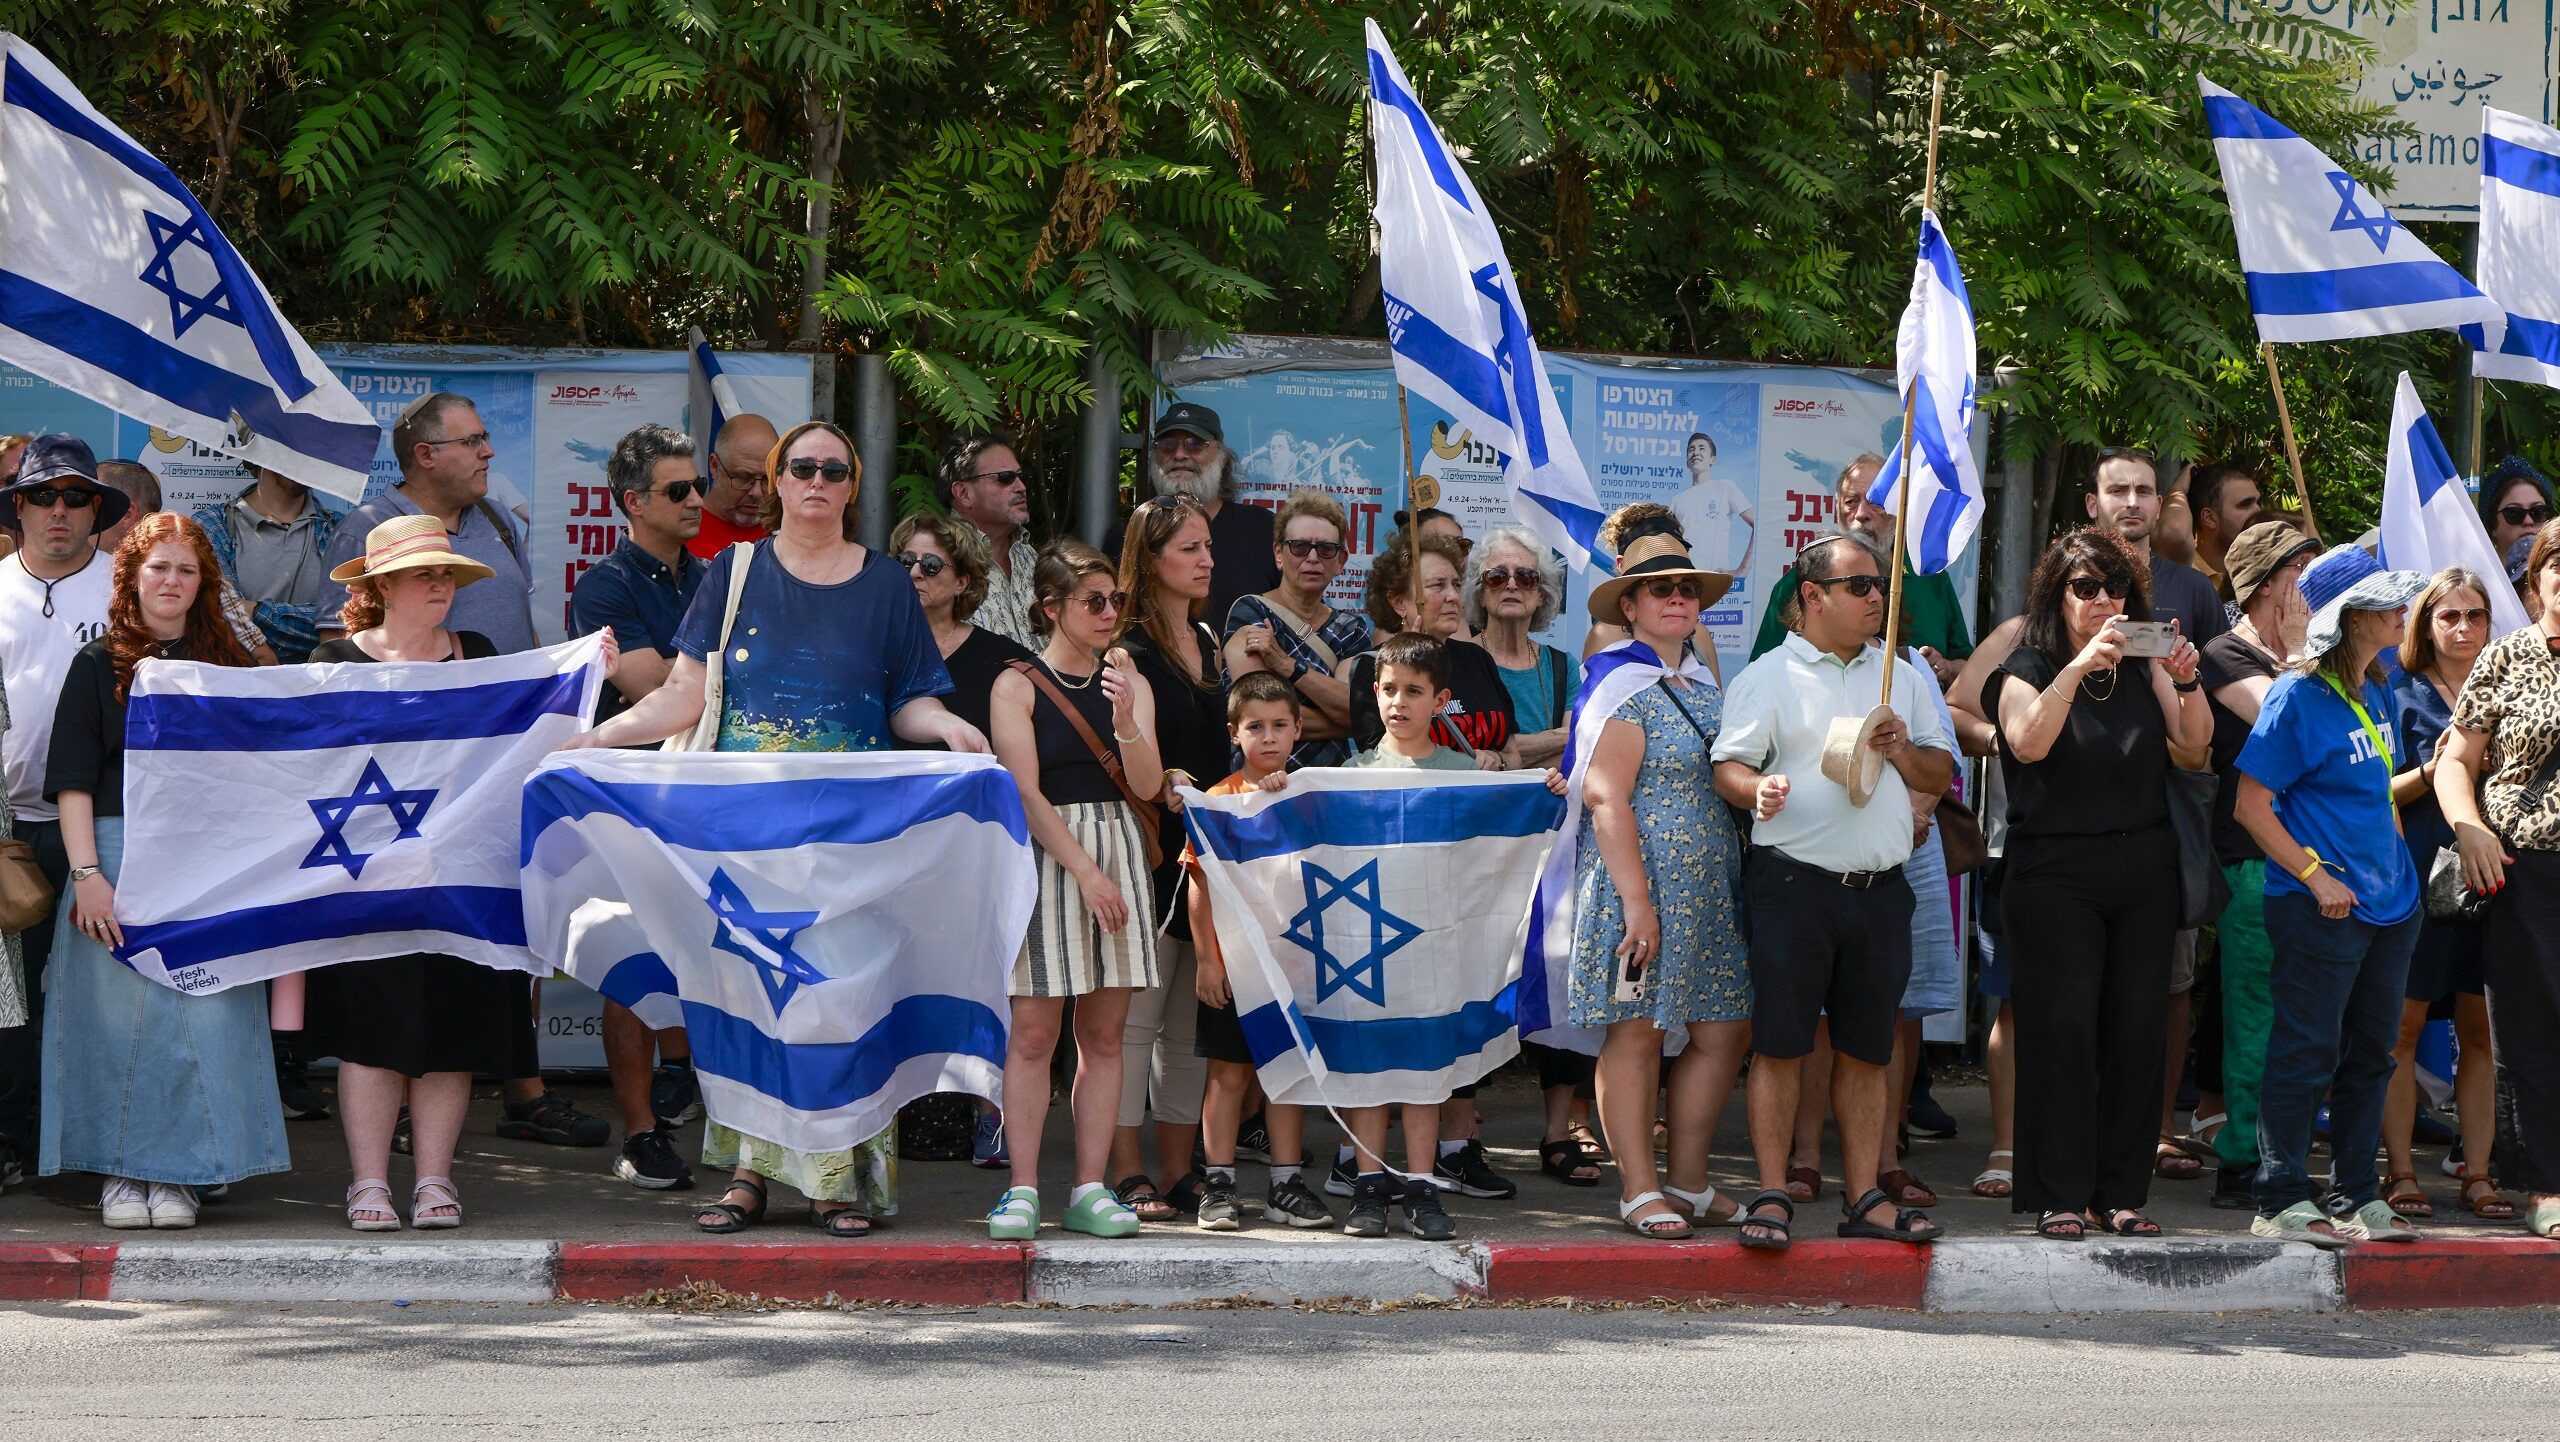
{"points": [[2316, 863]]}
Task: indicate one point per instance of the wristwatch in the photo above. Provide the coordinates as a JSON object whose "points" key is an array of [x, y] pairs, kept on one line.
{"points": [[80, 874]]}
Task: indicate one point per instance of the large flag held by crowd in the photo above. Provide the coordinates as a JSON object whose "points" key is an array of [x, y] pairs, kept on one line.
{"points": [[280, 818], [834, 931], [2428, 519], [1934, 359], [116, 285], [1454, 319], [1371, 924], [2519, 236]]}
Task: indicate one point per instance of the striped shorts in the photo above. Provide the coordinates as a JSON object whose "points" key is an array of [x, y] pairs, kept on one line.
{"points": [[1066, 952]]}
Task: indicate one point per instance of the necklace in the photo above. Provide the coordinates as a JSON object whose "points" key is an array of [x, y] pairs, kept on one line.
{"points": [[2088, 684], [1067, 685], [58, 580]]}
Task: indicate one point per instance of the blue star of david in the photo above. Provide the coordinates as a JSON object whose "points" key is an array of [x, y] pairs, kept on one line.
{"points": [[763, 940], [168, 238], [1363, 974], [407, 808], [2351, 216]]}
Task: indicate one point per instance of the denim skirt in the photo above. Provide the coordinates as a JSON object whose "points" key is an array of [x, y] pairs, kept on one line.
{"points": [[146, 1082]]}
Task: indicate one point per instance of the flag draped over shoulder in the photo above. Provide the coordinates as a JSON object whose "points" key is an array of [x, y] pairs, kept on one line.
{"points": [[1371, 923], [116, 285], [1454, 321], [2428, 520], [280, 818], [2519, 240], [834, 931], [1934, 354], [2322, 259], [1610, 679]]}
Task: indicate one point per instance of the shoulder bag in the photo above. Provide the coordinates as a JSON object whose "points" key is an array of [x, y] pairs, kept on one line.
{"points": [[2448, 897], [705, 735], [1150, 820], [26, 898]]}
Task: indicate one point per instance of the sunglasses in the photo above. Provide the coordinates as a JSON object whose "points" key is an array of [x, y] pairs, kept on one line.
{"points": [[1182, 441], [1505, 577], [681, 491], [998, 478], [930, 566], [2463, 618], [1686, 589], [1322, 550], [1860, 586], [2524, 515], [475, 440], [1097, 602], [2087, 587], [805, 468], [78, 498]]}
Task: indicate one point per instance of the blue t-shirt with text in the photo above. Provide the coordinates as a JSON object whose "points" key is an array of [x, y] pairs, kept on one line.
{"points": [[2333, 792]]}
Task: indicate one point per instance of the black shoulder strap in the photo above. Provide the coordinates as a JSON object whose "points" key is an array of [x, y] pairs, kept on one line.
{"points": [[1560, 703]]}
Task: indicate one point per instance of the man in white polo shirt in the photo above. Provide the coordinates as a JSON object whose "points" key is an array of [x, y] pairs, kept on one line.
{"points": [[1828, 909]]}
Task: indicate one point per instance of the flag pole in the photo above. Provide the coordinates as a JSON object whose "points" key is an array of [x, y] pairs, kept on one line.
{"points": [[1910, 405], [1412, 509], [2292, 447], [2479, 410]]}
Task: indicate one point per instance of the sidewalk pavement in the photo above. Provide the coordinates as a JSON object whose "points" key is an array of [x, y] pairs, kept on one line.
{"points": [[547, 1222]]}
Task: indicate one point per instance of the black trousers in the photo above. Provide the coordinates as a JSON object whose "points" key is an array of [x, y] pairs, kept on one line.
{"points": [[22, 1047], [2090, 923], [2522, 967]]}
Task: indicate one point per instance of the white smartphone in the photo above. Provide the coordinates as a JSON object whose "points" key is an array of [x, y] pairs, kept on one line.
{"points": [[2154, 639]]}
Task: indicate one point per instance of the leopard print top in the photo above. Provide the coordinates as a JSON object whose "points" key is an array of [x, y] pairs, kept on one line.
{"points": [[2513, 695]]}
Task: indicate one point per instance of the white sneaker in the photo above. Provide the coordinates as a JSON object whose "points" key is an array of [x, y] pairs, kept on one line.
{"points": [[126, 1204], [172, 1207]]}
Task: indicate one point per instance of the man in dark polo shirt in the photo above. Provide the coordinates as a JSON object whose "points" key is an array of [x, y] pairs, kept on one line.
{"points": [[641, 591], [1189, 456]]}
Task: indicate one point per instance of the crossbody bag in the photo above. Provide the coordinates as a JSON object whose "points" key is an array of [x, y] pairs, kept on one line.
{"points": [[1150, 820]]}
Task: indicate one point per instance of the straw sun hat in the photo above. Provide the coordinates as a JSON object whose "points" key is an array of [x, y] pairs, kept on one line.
{"points": [[408, 543], [1654, 557]]}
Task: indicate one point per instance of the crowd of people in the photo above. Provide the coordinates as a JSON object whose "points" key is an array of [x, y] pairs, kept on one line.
{"points": [[2275, 809]]}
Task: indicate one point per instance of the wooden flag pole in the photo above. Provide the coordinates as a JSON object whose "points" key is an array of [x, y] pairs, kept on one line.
{"points": [[2292, 447], [1910, 408], [1413, 508], [2479, 410]]}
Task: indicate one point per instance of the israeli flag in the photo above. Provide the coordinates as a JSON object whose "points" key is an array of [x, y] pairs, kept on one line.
{"points": [[115, 285], [1454, 320], [280, 818], [835, 932], [711, 396], [1935, 358], [1371, 923], [2519, 236], [2322, 258], [2428, 521], [1610, 679]]}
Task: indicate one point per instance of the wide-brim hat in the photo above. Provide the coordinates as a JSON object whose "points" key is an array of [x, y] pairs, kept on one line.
{"points": [[1847, 760], [50, 460], [2350, 579], [1649, 558], [409, 543], [2260, 552]]}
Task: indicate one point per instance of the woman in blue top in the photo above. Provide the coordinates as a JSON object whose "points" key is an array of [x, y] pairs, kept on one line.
{"points": [[2341, 904], [828, 651]]}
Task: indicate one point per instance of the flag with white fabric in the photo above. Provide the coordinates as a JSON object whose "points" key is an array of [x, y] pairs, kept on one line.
{"points": [[1371, 922], [711, 396], [1454, 319], [834, 931], [1934, 357], [278, 818], [2519, 236], [2322, 258], [116, 285], [2428, 520]]}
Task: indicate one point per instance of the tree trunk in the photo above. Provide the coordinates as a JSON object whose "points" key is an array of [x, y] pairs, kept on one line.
{"points": [[826, 142]]}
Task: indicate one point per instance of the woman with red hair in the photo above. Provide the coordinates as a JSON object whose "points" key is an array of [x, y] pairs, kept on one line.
{"points": [[159, 1092]]}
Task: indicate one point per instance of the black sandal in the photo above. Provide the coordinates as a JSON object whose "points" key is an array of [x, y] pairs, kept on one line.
{"points": [[1139, 1195], [1776, 1232], [2126, 1222], [1560, 1158], [842, 1222], [2062, 1226], [1910, 1224], [735, 1218]]}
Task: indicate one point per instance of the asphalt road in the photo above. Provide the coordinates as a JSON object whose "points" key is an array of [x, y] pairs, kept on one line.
{"points": [[107, 1370]]}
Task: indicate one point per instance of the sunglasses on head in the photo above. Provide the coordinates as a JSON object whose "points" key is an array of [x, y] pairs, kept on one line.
{"points": [[2087, 587], [1097, 602], [1322, 550], [1504, 577], [2534, 514], [1860, 586], [804, 468], [998, 478], [78, 498], [930, 566], [1684, 587]]}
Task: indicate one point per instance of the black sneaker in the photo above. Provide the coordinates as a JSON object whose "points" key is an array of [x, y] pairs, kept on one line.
{"points": [[1344, 1179], [649, 1160], [1369, 1201], [552, 1118], [293, 1089], [1253, 1140], [400, 1139], [1468, 1173], [1292, 1202], [1218, 1209], [2231, 1191], [1927, 1118], [675, 1095], [1423, 1214]]}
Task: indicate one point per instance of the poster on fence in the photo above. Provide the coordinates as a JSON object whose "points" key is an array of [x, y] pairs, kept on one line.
{"points": [[1745, 454]]}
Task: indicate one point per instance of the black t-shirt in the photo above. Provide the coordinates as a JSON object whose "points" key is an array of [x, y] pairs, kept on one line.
{"points": [[974, 667], [2183, 594], [1240, 550], [1191, 733], [2228, 658], [2108, 771], [88, 729], [1476, 694]]}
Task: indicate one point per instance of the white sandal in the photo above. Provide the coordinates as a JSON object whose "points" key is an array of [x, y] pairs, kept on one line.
{"points": [[1668, 1227], [1997, 1176], [1698, 1205], [432, 1193], [371, 1216]]}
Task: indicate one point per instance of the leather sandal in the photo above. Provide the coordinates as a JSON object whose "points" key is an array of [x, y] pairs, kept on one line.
{"points": [[2062, 1226], [2170, 1160], [1139, 1195], [2410, 1203], [1666, 1225], [1809, 1178], [2492, 1206], [1565, 1160], [1907, 1190], [1997, 1181], [2126, 1222]]}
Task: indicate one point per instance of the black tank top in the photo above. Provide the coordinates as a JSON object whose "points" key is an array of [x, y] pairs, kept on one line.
{"points": [[1068, 771]]}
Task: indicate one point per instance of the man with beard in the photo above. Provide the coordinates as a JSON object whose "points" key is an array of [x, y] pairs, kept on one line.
{"points": [[2124, 498], [1190, 456]]}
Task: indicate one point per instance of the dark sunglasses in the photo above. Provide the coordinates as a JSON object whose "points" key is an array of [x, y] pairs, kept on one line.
{"points": [[1097, 602], [1504, 577], [2473, 617], [2088, 587], [2524, 515], [1323, 550], [1687, 589], [931, 566], [1859, 586], [804, 467], [681, 491], [999, 478], [78, 498]]}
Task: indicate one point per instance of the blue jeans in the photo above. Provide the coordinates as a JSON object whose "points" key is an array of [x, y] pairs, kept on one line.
{"points": [[2337, 987]]}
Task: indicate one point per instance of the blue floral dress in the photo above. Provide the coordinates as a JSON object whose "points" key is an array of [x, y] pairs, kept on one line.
{"points": [[1692, 865]]}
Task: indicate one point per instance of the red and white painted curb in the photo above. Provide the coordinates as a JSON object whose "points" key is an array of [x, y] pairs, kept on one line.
{"points": [[1989, 1274]]}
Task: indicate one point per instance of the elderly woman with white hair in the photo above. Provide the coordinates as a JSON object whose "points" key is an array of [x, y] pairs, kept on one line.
{"points": [[1514, 587]]}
